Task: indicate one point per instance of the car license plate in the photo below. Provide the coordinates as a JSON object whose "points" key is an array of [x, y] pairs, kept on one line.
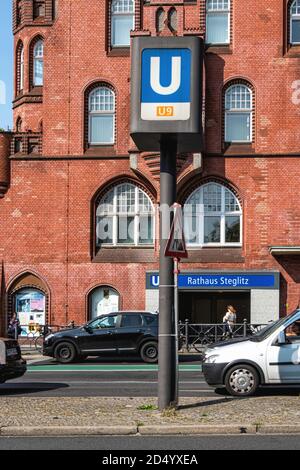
{"points": [[11, 352]]}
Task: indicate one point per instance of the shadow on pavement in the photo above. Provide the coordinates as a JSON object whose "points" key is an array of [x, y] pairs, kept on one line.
{"points": [[29, 387], [265, 392]]}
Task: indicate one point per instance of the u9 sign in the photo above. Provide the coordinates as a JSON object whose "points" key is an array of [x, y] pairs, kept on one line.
{"points": [[166, 84], [166, 92]]}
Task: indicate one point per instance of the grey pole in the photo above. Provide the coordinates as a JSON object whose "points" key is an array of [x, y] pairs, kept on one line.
{"points": [[167, 376]]}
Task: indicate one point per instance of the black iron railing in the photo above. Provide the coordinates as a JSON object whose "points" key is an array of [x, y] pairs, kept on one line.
{"points": [[192, 336]]}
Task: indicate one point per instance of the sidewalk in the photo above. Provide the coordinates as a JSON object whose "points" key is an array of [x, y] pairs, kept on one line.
{"points": [[28, 416]]}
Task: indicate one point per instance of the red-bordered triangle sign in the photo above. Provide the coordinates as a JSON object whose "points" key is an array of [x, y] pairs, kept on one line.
{"points": [[176, 246]]}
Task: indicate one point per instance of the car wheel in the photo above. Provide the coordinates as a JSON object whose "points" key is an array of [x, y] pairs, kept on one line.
{"points": [[149, 352], [65, 353], [242, 380]]}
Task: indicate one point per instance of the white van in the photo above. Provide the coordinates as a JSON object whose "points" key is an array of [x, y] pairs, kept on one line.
{"points": [[271, 356]]}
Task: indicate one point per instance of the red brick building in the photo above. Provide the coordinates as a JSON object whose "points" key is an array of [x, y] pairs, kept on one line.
{"points": [[70, 165]]}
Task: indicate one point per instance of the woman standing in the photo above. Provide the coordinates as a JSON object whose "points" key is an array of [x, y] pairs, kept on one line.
{"points": [[14, 328], [229, 320]]}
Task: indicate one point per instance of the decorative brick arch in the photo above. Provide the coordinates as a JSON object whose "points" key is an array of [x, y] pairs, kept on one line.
{"points": [[28, 280], [191, 186], [19, 49]]}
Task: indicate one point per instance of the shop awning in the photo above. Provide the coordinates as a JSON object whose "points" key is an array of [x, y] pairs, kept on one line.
{"points": [[284, 250]]}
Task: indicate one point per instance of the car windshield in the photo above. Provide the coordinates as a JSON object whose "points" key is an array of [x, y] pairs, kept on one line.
{"points": [[269, 329]]}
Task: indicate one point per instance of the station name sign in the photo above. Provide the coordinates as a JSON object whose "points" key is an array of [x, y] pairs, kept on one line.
{"points": [[166, 92], [220, 281]]}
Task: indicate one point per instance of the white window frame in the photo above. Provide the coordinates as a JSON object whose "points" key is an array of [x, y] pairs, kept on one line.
{"points": [[119, 14], [38, 58], [293, 17], [201, 213], [115, 215], [246, 111], [218, 12], [102, 113]]}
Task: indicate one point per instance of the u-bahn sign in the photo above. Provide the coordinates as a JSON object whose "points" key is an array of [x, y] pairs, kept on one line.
{"points": [[166, 92]]}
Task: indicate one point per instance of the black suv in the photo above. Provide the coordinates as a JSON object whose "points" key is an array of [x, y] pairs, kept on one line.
{"points": [[116, 333]]}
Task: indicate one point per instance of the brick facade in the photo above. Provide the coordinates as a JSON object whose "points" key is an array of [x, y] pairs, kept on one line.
{"points": [[47, 206]]}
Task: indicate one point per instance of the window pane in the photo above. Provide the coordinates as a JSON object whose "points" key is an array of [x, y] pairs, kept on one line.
{"points": [[212, 197], [145, 205], [102, 129], [212, 229], [190, 227], [126, 198], [238, 127], [102, 99], [296, 31], [126, 230], [121, 27], [238, 97], [106, 322], [217, 29], [233, 226], [146, 230], [38, 72], [104, 230], [231, 202], [131, 320]]}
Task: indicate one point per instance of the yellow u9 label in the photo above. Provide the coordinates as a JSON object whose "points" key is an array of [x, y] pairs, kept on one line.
{"points": [[167, 111]]}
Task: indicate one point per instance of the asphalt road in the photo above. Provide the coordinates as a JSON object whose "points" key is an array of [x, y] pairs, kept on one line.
{"points": [[129, 378], [163, 443]]}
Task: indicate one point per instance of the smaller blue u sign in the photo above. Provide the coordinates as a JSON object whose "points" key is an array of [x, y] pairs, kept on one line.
{"points": [[166, 84]]}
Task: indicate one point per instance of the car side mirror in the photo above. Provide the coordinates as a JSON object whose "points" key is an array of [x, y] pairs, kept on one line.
{"points": [[281, 338], [88, 329]]}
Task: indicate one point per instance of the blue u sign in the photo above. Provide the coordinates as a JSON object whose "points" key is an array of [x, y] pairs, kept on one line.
{"points": [[166, 84]]}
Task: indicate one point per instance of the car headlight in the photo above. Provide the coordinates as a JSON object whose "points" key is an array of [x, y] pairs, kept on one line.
{"points": [[211, 359], [49, 337]]}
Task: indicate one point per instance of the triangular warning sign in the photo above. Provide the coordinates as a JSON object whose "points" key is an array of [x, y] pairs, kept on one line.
{"points": [[176, 246]]}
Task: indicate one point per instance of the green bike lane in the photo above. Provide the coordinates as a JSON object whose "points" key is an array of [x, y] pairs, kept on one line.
{"points": [[106, 368]]}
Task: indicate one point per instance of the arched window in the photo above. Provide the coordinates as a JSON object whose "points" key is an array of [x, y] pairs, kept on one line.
{"points": [[160, 19], [30, 307], [38, 63], [238, 113], [102, 301], [102, 116], [125, 216], [213, 216], [122, 22], [218, 21], [21, 65], [295, 22], [173, 20], [19, 124]]}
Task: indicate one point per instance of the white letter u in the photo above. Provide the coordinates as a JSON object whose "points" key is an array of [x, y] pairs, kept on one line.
{"points": [[155, 76]]}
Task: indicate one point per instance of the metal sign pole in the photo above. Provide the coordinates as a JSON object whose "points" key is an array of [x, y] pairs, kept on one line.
{"points": [[176, 307], [167, 376]]}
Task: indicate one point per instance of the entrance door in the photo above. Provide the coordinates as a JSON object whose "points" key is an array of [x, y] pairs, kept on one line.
{"points": [[211, 306]]}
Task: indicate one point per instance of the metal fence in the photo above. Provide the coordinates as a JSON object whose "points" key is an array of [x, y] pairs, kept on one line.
{"points": [[197, 336], [32, 336], [192, 336]]}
